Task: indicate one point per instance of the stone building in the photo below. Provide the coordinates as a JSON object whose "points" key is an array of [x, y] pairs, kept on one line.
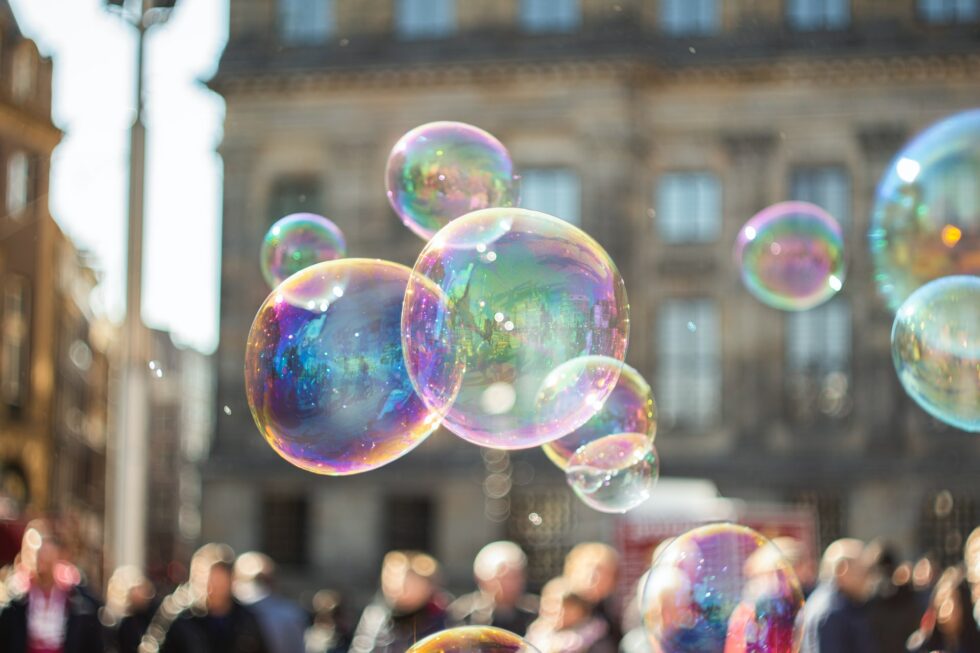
{"points": [[658, 126], [54, 349]]}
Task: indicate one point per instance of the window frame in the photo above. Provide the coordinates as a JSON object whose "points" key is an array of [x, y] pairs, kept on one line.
{"points": [[703, 231], [797, 170], [533, 23], [18, 178], [708, 361], [559, 174], [304, 11], [699, 25], [925, 16], [410, 27], [796, 21]]}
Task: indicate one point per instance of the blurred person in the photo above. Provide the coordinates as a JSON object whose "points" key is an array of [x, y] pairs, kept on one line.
{"points": [[766, 619], [283, 622], [893, 609], [226, 625], [130, 606], [971, 558], [45, 608], [500, 569], [592, 569], [568, 623], [795, 553], [635, 639], [947, 625], [834, 620], [326, 635], [411, 605]]}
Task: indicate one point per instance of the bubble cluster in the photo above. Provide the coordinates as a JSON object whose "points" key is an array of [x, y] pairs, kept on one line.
{"points": [[926, 219], [722, 588], [324, 372], [296, 242], [791, 256], [614, 473], [473, 639], [524, 294], [442, 170], [936, 349], [629, 408]]}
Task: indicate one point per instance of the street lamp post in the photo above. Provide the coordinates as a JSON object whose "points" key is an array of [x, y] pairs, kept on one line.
{"points": [[128, 456]]}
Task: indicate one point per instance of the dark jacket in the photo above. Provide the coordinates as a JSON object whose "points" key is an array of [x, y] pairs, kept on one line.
{"points": [[894, 615], [236, 632], [478, 609], [832, 623], [83, 632]]}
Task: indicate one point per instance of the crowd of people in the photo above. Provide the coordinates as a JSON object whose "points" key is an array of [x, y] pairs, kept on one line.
{"points": [[865, 601]]}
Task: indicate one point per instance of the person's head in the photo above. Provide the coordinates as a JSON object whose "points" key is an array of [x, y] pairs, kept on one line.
{"points": [[409, 579], [254, 574], [500, 570], [971, 557], [796, 554], [219, 587], [200, 569], [325, 606], [882, 561], [844, 564], [591, 568]]}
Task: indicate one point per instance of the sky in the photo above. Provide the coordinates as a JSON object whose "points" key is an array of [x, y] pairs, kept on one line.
{"points": [[93, 104]]}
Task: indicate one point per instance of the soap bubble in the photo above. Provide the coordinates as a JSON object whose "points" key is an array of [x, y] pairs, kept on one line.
{"points": [[297, 242], [628, 409], [791, 256], [936, 349], [442, 170], [327, 385], [473, 639], [926, 219], [614, 473], [525, 293], [722, 588]]}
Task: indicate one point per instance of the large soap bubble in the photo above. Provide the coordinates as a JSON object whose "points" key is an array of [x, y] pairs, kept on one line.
{"points": [[614, 473], [296, 242], [526, 293], [722, 588], [628, 409], [473, 639], [324, 371], [926, 219], [791, 256], [936, 349], [442, 170]]}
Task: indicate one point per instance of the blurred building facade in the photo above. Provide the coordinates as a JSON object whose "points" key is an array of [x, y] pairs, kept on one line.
{"points": [[658, 126], [54, 348]]}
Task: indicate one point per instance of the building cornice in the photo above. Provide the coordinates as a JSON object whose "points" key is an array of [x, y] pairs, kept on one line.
{"points": [[18, 124]]}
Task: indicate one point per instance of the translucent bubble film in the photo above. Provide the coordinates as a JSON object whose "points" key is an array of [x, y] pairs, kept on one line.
{"points": [[936, 349], [296, 242], [614, 473], [473, 639], [525, 294]]}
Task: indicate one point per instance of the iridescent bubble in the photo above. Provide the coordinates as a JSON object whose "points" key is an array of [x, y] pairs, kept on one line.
{"points": [[791, 256], [327, 385], [473, 639], [926, 219], [628, 409], [614, 473], [525, 292], [442, 170], [936, 349], [296, 242], [722, 588]]}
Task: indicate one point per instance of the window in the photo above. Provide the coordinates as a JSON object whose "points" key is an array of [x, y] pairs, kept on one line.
{"points": [[22, 75], [305, 21], [13, 349], [829, 187], [18, 181], [285, 528], [688, 207], [812, 15], [949, 11], [818, 361], [555, 191], [294, 195], [425, 18], [408, 524], [550, 15], [689, 17], [689, 362], [946, 522]]}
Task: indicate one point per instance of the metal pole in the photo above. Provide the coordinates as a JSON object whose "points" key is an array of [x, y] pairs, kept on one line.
{"points": [[130, 461]]}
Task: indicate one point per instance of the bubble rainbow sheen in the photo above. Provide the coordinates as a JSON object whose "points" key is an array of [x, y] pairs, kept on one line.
{"points": [[473, 639], [722, 588], [298, 241], [791, 256], [324, 371], [629, 408], [614, 473], [925, 223], [525, 293], [442, 170], [936, 349]]}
